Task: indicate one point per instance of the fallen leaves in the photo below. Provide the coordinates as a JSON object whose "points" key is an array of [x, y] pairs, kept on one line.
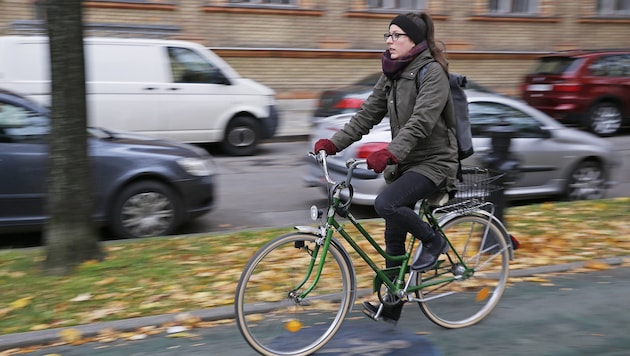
{"points": [[175, 274]]}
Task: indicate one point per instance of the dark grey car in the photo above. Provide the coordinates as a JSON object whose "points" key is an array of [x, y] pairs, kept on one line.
{"points": [[143, 186]]}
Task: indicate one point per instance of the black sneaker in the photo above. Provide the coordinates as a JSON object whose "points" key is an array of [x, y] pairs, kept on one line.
{"points": [[431, 250]]}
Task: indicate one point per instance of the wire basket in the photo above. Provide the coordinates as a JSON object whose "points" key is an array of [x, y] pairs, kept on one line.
{"points": [[477, 187]]}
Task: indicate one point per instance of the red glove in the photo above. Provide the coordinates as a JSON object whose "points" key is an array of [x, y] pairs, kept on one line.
{"points": [[326, 145], [380, 159]]}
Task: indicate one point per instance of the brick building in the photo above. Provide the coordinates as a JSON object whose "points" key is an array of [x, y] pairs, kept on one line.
{"points": [[300, 47]]}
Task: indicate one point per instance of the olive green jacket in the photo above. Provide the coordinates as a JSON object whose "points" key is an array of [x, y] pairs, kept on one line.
{"points": [[421, 140]]}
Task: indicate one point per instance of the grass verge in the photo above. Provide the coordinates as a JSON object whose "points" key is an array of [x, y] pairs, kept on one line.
{"points": [[183, 273]]}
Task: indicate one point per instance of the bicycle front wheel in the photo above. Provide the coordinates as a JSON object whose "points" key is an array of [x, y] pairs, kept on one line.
{"points": [[480, 273], [271, 315]]}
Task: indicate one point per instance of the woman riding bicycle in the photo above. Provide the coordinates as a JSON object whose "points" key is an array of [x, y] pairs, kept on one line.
{"points": [[422, 155]]}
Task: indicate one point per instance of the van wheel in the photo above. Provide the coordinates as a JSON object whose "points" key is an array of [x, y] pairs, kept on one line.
{"points": [[586, 181], [241, 137], [604, 119], [146, 209]]}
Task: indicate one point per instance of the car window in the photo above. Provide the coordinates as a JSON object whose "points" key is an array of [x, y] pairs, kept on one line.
{"points": [[20, 125], [188, 66], [553, 65], [611, 66], [486, 115]]}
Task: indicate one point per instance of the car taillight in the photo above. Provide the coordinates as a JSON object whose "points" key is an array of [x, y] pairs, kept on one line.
{"points": [[349, 103], [567, 87], [368, 148]]}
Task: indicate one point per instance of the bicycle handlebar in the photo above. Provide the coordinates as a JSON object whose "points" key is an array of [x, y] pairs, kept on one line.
{"points": [[351, 164]]}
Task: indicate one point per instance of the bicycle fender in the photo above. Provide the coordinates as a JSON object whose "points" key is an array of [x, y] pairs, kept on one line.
{"points": [[486, 215], [309, 230]]}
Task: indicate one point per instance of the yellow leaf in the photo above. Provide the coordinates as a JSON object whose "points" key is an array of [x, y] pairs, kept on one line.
{"points": [[105, 281], [596, 265], [482, 294], [182, 334], [21, 303], [293, 326], [70, 335], [82, 297], [39, 327]]}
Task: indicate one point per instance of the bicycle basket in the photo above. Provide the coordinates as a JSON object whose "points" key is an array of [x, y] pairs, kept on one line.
{"points": [[478, 186]]}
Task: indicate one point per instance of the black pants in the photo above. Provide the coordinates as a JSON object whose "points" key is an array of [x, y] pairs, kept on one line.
{"points": [[396, 205]]}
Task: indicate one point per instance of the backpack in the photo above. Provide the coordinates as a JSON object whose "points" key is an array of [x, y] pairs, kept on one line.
{"points": [[460, 104]]}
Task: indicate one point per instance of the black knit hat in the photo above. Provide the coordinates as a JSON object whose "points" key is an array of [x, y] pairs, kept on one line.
{"points": [[416, 32]]}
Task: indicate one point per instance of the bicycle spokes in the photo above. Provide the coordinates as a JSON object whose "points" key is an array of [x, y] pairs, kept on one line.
{"points": [[466, 285], [283, 306]]}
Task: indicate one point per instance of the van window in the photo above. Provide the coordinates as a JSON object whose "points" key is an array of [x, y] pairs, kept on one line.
{"points": [[187, 66], [122, 63]]}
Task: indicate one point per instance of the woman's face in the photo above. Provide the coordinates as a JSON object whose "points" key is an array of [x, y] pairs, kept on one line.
{"points": [[400, 47]]}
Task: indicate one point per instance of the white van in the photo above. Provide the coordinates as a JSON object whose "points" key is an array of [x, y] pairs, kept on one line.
{"points": [[172, 89]]}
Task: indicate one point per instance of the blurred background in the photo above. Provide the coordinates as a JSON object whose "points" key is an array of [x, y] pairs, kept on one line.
{"points": [[301, 47]]}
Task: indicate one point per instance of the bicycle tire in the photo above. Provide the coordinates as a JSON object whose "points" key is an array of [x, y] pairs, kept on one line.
{"points": [[466, 301], [272, 322]]}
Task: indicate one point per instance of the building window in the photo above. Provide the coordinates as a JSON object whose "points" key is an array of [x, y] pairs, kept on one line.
{"points": [[613, 7], [264, 2], [396, 4], [517, 7]]}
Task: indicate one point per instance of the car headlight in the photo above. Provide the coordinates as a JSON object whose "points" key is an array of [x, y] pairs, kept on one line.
{"points": [[197, 167]]}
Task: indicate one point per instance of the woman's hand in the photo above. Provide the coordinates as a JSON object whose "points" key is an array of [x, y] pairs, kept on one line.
{"points": [[380, 159], [326, 145]]}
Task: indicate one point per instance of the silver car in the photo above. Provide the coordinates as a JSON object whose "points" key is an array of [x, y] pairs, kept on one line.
{"points": [[554, 161]]}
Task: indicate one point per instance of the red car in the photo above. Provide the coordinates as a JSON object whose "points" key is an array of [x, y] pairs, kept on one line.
{"points": [[587, 88]]}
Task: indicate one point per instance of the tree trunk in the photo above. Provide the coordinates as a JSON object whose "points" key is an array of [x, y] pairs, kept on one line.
{"points": [[70, 235]]}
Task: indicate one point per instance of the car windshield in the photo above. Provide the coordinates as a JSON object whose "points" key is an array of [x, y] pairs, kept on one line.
{"points": [[553, 65], [19, 125]]}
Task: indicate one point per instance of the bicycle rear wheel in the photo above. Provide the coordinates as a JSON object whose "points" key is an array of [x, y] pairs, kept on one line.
{"points": [[470, 298], [269, 313]]}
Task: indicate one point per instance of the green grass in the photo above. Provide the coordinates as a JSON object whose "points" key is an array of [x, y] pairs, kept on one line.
{"points": [[183, 273]]}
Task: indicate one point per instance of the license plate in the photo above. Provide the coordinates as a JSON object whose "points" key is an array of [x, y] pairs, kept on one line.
{"points": [[539, 87]]}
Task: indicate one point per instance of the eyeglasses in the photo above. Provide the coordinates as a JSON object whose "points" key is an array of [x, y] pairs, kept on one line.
{"points": [[394, 36]]}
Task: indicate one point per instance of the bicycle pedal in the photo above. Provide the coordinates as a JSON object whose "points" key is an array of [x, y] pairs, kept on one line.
{"points": [[370, 314]]}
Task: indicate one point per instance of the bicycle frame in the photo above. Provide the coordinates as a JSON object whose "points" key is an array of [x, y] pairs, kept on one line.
{"points": [[384, 275]]}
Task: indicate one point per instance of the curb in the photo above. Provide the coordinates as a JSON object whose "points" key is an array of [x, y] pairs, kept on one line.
{"points": [[49, 336]]}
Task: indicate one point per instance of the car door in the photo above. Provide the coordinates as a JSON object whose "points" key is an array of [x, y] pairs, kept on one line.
{"points": [[531, 144], [201, 97], [23, 161]]}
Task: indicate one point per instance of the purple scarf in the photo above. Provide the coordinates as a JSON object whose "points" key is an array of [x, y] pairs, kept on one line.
{"points": [[393, 68]]}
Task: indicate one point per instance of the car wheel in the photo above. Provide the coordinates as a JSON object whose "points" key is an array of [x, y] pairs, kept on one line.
{"points": [[587, 181], [146, 209], [604, 119], [241, 136]]}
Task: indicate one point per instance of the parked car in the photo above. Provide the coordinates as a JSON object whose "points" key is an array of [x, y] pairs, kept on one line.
{"points": [[554, 160], [143, 186], [348, 99], [588, 88]]}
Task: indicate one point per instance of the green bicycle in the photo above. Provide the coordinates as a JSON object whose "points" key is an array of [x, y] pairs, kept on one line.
{"points": [[295, 292]]}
